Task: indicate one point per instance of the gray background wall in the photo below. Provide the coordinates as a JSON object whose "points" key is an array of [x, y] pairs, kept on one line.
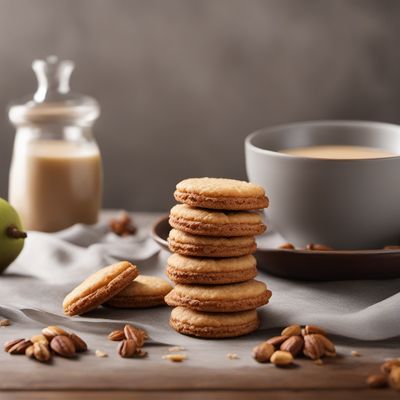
{"points": [[182, 82]]}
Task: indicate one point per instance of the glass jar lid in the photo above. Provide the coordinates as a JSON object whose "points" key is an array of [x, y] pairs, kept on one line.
{"points": [[53, 101]]}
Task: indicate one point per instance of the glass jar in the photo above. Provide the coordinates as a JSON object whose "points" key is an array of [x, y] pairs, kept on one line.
{"points": [[56, 174]]}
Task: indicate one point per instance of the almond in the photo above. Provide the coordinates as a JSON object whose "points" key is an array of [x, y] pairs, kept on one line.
{"points": [[387, 366], [281, 358], [313, 347], [276, 341], [394, 378], [39, 339], [51, 331], [286, 246], [292, 330], [318, 247], [310, 329], [29, 351], [63, 346], [294, 345], [263, 352], [377, 381]]}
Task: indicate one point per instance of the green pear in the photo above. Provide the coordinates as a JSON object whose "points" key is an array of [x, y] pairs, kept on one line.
{"points": [[11, 234]]}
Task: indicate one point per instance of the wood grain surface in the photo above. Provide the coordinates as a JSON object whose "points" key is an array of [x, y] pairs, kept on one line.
{"points": [[338, 378]]}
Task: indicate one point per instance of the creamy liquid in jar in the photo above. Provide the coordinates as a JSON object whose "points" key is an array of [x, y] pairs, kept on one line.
{"points": [[54, 184], [338, 152]]}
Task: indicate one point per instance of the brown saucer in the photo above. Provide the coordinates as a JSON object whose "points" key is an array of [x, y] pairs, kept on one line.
{"points": [[314, 265]]}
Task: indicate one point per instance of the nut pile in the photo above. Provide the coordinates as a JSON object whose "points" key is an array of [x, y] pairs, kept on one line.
{"points": [[123, 225], [131, 341], [53, 341], [311, 341], [389, 376], [310, 246]]}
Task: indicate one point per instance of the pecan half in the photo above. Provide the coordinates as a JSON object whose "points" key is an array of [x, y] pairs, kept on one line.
{"points": [[63, 346], [313, 347], [80, 345], [135, 334], [19, 347], [41, 352], [127, 348]]}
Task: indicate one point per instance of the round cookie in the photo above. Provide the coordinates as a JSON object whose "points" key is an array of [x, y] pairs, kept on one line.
{"points": [[208, 246], [145, 291], [210, 271], [213, 325], [99, 287], [221, 194], [215, 223], [221, 298]]}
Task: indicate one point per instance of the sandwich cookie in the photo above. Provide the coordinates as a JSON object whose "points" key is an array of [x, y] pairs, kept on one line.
{"points": [[99, 287], [215, 223], [210, 271], [221, 298], [213, 325], [143, 292], [208, 246], [221, 194]]}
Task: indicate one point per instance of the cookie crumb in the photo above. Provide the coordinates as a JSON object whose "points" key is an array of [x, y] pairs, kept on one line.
{"points": [[101, 354], [5, 322], [174, 357], [174, 349], [318, 362], [232, 356], [355, 353]]}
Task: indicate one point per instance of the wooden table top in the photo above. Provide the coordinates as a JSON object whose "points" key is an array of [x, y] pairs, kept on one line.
{"points": [[338, 378]]}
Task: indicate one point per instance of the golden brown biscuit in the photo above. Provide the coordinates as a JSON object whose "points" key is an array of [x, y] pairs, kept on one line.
{"points": [[210, 271], [145, 291], [221, 194], [199, 221], [220, 298], [213, 325], [99, 287], [208, 246]]}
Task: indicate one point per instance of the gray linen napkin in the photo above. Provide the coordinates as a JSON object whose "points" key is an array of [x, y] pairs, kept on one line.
{"points": [[32, 289]]}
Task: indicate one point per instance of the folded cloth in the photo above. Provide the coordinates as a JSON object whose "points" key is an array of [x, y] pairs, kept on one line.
{"points": [[33, 287]]}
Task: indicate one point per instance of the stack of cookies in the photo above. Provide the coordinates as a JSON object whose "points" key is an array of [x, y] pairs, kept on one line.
{"points": [[212, 239]]}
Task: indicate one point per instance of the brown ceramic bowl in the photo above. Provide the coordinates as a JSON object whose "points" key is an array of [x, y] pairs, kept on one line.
{"points": [[314, 265]]}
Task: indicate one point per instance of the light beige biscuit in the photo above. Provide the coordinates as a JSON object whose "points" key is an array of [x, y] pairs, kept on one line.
{"points": [[221, 298], [208, 246], [99, 287], [221, 194], [145, 291], [199, 221], [213, 325], [210, 271]]}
